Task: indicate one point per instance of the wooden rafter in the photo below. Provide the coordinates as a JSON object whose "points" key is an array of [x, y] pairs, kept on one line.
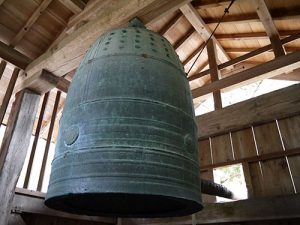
{"points": [[246, 56], [76, 6], [32, 19], [245, 49], [238, 36], [66, 56], [189, 33], [201, 27], [269, 69], [171, 23], [277, 14], [253, 36], [46, 80], [203, 4], [14, 57], [192, 55], [267, 21]]}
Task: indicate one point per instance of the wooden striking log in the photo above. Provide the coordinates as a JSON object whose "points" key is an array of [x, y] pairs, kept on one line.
{"points": [[14, 147], [211, 188]]}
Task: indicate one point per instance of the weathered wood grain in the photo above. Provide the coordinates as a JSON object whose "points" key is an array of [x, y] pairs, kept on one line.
{"points": [[14, 147]]}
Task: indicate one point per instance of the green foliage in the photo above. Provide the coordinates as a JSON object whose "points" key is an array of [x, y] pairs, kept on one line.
{"points": [[231, 174]]}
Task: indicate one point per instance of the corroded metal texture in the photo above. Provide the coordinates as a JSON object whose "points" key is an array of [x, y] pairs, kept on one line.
{"points": [[127, 142]]}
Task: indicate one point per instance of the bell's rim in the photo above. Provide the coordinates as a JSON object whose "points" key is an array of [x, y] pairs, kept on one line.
{"points": [[124, 205]]}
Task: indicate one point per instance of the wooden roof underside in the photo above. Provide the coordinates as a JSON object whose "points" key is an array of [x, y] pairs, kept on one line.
{"points": [[33, 31]]}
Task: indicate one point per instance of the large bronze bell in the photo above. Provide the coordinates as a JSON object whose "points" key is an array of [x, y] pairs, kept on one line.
{"points": [[127, 143]]}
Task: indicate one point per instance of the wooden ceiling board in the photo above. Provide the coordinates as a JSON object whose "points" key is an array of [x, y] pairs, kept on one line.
{"points": [[182, 26], [292, 24], [29, 48], [191, 44], [158, 24], [56, 9], [200, 61], [6, 34], [279, 4]]}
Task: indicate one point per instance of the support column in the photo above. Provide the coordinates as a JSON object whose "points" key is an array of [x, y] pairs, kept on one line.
{"points": [[214, 72], [14, 147]]}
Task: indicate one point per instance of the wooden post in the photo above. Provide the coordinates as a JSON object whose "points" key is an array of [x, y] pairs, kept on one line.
{"points": [[2, 68], [8, 93], [36, 138], [214, 72], [49, 137], [14, 147]]}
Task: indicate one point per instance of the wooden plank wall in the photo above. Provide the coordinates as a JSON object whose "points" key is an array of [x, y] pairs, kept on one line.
{"points": [[254, 147]]}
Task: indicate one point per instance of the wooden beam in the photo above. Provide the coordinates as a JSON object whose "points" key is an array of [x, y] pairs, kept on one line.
{"points": [[43, 81], [246, 56], [32, 19], [204, 31], [214, 72], [258, 51], [292, 76], [2, 67], [26, 201], [259, 209], [277, 14], [269, 69], [49, 138], [265, 108], [192, 55], [170, 24], [35, 141], [180, 41], [76, 6], [8, 94], [14, 147], [246, 49], [14, 57], [63, 84], [267, 21], [253, 36], [65, 56], [203, 4], [257, 158]]}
